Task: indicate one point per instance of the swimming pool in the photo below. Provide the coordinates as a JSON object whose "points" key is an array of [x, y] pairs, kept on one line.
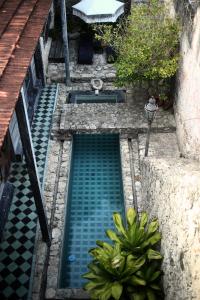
{"points": [[115, 96], [95, 192]]}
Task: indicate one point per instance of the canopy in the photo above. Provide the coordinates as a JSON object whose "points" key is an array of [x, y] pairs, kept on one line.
{"points": [[98, 11]]}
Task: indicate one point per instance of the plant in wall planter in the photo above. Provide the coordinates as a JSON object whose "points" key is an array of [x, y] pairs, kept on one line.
{"points": [[129, 267]]}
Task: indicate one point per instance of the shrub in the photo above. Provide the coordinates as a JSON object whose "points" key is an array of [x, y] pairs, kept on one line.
{"points": [[129, 268], [146, 42]]}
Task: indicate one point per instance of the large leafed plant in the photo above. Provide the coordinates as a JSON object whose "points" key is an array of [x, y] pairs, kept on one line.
{"points": [[146, 43], [129, 268]]}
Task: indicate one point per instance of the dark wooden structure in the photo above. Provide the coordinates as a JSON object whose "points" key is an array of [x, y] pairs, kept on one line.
{"points": [[21, 24], [65, 40], [56, 54]]}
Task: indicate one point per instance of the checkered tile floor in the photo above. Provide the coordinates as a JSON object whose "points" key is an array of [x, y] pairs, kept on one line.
{"points": [[17, 246]]}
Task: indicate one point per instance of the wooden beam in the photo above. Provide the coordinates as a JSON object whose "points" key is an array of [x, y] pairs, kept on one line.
{"points": [[65, 40], [26, 139], [39, 65]]}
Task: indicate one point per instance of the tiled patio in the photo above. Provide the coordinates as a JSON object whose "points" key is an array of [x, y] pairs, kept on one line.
{"points": [[17, 246]]}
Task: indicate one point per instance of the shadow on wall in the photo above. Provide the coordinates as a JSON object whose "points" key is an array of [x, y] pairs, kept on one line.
{"points": [[187, 85], [186, 10]]}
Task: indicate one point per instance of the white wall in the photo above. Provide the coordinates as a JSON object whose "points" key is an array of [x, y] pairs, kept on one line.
{"points": [[171, 192], [187, 108]]}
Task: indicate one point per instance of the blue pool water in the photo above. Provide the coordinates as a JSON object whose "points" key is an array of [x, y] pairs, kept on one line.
{"points": [[95, 192], [116, 96]]}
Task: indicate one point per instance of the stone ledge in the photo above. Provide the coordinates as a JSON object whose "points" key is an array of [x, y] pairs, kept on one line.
{"points": [[161, 145], [171, 192]]}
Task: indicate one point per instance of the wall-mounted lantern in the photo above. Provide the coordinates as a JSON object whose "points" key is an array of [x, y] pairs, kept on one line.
{"points": [[150, 111]]}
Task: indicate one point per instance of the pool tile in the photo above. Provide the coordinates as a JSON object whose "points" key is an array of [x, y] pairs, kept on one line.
{"points": [[87, 221]]}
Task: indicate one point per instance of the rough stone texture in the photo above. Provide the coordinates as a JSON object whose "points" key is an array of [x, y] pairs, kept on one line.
{"points": [[58, 220], [171, 192], [187, 106], [126, 174], [51, 177], [136, 174], [128, 116], [81, 73], [160, 145]]}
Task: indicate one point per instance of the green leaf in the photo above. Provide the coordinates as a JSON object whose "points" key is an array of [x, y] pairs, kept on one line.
{"points": [[106, 294], [153, 226], [117, 289], [143, 219], [140, 274], [118, 223], [128, 263], [155, 275], [151, 295], [138, 296], [105, 245], [155, 287], [131, 216], [133, 265], [118, 261], [95, 294], [94, 268], [91, 285], [154, 238], [112, 235], [134, 280], [90, 275], [152, 254]]}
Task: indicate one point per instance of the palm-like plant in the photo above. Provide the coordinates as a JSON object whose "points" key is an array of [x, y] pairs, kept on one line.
{"points": [[129, 269], [139, 237]]}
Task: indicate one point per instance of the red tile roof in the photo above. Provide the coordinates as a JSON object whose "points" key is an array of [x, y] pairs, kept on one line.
{"points": [[21, 24]]}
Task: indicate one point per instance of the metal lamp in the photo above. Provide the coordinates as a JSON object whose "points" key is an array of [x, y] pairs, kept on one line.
{"points": [[150, 111]]}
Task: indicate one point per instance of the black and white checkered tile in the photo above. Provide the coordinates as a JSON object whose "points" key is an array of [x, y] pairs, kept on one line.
{"points": [[17, 246]]}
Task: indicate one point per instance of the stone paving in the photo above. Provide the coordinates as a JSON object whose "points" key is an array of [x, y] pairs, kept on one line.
{"points": [[81, 73], [125, 117]]}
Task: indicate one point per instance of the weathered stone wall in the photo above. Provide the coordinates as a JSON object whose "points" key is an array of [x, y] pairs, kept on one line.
{"points": [[171, 192], [187, 108]]}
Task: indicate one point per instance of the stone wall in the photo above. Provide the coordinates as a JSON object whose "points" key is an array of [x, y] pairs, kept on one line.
{"points": [[187, 108], [171, 192]]}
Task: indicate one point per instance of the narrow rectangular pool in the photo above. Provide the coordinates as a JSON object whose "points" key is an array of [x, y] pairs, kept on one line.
{"points": [[107, 96], [95, 192]]}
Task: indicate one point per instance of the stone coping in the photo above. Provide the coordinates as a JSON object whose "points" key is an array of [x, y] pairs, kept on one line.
{"points": [[52, 291], [115, 117], [131, 149]]}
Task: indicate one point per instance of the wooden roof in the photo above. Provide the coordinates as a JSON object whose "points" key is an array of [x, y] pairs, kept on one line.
{"points": [[21, 24]]}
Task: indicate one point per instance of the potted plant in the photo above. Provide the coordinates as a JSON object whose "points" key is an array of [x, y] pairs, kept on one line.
{"points": [[129, 268]]}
